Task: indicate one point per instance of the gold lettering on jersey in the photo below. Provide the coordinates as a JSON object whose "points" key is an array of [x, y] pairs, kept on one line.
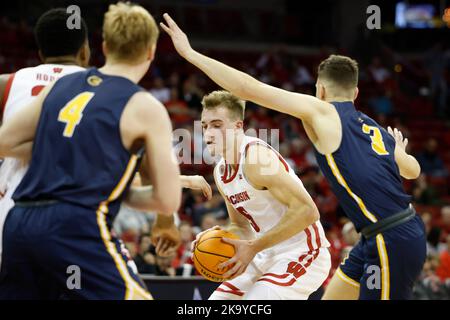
{"points": [[238, 197]]}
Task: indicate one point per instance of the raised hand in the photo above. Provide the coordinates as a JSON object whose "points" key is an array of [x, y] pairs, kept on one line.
{"points": [[400, 142], [179, 38]]}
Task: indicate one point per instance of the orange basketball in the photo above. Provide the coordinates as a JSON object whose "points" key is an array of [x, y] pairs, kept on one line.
{"points": [[211, 251]]}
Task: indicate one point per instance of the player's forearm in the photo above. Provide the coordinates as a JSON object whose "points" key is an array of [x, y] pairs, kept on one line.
{"points": [[145, 199], [413, 168], [243, 232], [186, 181], [233, 80], [20, 151], [164, 221], [295, 220], [408, 165]]}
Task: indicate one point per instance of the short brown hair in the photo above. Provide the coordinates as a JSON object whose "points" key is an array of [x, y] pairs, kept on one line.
{"points": [[129, 31], [222, 98], [342, 71]]}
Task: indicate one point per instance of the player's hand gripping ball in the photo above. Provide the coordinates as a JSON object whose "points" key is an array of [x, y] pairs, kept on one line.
{"points": [[210, 251]]}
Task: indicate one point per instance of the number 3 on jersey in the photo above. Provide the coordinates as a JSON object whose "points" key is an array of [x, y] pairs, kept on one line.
{"points": [[377, 139], [72, 113]]}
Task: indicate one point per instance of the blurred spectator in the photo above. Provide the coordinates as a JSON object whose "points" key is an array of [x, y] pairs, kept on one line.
{"points": [[427, 220], [423, 193], [183, 255], [195, 207], [145, 257], [429, 286], [186, 270], [311, 179], [310, 157], [178, 110], [319, 190], [434, 246], [174, 81], [182, 263], [444, 221], [302, 76], [285, 153], [209, 220], [336, 247], [436, 64], [400, 125], [192, 93], [378, 72], [263, 119], [430, 161], [215, 207], [132, 222], [381, 118], [298, 148], [160, 91], [443, 270], [164, 266], [289, 128], [382, 103]]}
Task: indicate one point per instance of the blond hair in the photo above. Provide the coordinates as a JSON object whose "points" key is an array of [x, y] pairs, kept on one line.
{"points": [[221, 98], [129, 31]]}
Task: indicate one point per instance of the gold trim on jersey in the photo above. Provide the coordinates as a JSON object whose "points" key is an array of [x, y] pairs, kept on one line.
{"points": [[384, 261], [133, 290], [346, 278], [342, 182]]}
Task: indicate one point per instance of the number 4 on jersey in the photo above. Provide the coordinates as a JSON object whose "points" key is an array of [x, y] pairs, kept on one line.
{"points": [[72, 113]]}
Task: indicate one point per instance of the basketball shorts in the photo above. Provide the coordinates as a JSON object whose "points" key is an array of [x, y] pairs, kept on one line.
{"points": [[387, 265], [64, 251], [289, 275]]}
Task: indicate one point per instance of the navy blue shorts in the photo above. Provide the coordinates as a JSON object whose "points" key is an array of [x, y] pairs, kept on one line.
{"points": [[386, 266], [63, 251]]}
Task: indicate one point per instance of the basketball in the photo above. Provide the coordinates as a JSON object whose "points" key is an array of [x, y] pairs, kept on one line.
{"points": [[211, 251]]}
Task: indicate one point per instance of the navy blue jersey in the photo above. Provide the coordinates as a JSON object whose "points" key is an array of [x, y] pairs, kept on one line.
{"points": [[362, 172], [78, 156]]}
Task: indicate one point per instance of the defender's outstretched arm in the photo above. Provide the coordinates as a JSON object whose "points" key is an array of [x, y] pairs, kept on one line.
{"points": [[244, 86]]}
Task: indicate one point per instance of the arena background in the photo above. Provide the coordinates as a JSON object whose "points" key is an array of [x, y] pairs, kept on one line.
{"points": [[404, 82]]}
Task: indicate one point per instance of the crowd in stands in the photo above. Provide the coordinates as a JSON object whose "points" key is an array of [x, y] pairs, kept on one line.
{"points": [[408, 93]]}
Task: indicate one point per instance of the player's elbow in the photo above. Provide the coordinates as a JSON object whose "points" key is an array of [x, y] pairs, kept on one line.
{"points": [[311, 214]]}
